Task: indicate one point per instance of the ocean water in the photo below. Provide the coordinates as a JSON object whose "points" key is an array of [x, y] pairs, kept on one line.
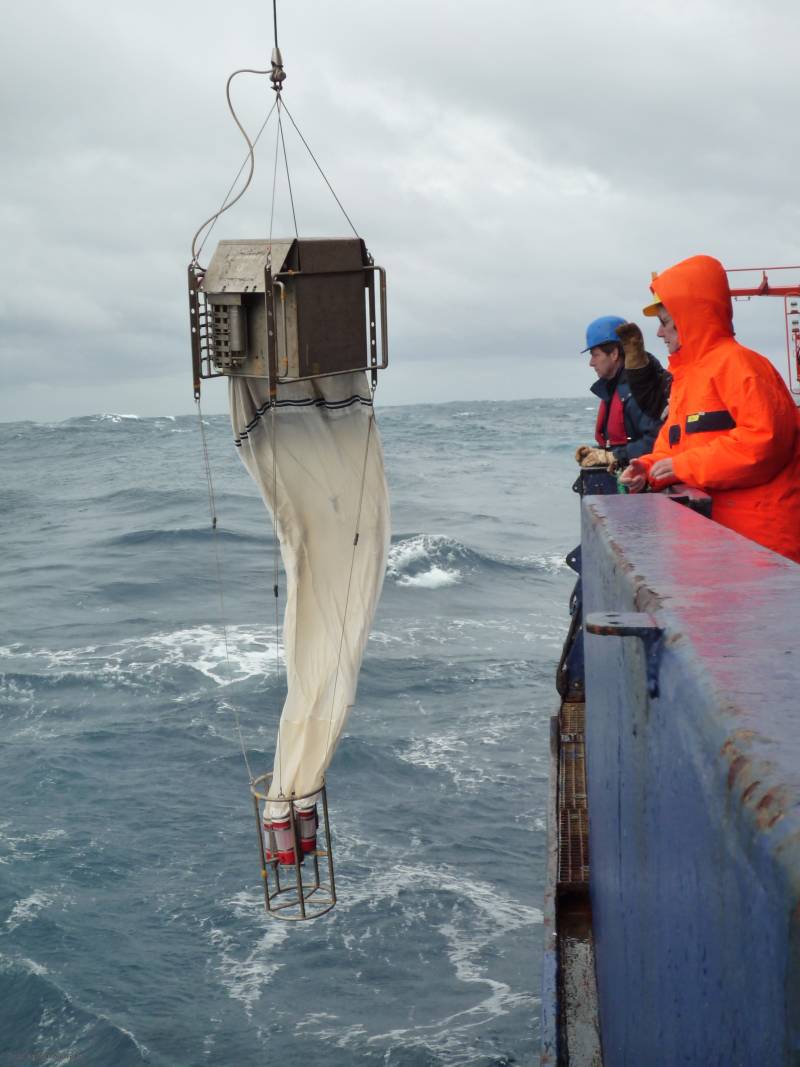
{"points": [[132, 925]]}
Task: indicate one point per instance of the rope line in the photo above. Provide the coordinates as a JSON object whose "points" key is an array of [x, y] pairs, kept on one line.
{"points": [[356, 535], [274, 438], [276, 572], [212, 504], [220, 580]]}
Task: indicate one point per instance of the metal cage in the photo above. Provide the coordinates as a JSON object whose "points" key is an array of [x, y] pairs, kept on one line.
{"points": [[306, 889]]}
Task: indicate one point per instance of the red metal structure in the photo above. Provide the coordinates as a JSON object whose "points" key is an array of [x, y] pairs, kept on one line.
{"points": [[791, 309]]}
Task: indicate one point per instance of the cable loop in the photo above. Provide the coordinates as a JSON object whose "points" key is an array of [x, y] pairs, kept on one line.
{"points": [[250, 158]]}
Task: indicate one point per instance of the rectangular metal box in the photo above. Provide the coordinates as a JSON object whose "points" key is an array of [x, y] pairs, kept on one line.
{"points": [[288, 310]]}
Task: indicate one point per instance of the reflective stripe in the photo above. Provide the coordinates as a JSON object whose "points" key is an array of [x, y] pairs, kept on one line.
{"points": [[708, 421]]}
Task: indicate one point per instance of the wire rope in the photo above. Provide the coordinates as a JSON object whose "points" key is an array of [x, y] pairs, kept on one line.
{"points": [[288, 176], [319, 168], [356, 536], [220, 579], [249, 158], [274, 189]]}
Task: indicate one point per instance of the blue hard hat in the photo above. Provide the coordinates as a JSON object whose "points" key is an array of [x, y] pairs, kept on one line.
{"points": [[603, 331]]}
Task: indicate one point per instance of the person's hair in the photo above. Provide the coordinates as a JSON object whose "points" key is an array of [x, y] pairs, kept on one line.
{"points": [[609, 347]]}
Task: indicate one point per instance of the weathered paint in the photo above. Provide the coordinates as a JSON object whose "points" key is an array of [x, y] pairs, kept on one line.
{"points": [[694, 795]]}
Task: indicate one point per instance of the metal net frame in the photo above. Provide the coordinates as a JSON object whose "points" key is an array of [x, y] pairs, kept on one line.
{"points": [[306, 887]]}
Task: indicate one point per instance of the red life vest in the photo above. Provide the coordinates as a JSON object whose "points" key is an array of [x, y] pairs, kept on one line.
{"points": [[615, 432]]}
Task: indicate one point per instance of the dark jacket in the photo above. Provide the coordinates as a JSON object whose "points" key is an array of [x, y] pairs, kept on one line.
{"points": [[650, 388], [641, 428]]}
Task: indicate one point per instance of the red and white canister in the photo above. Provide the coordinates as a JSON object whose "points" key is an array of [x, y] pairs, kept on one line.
{"points": [[307, 825], [279, 830]]}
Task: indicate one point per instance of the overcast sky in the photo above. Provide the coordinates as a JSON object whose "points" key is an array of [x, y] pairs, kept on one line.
{"points": [[518, 167]]}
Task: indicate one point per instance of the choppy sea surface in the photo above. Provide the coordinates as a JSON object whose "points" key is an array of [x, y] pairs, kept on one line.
{"points": [[132, 924]]}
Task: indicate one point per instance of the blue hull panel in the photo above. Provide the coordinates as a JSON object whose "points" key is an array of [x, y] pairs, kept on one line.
{"points": [[694, 794]]}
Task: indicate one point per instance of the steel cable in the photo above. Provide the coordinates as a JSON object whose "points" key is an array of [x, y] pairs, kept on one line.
{"points": [[322, 172], [220, 580], [250, 158]]}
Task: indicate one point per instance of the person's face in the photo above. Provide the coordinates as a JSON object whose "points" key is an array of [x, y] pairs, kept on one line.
{"points": [[667, 331], [603, 364]]}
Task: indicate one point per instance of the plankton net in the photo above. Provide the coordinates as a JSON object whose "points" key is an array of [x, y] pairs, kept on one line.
{"points": [[298, 326]]}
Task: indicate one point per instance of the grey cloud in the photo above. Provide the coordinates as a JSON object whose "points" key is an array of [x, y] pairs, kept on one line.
{"points": [[517, 168]]}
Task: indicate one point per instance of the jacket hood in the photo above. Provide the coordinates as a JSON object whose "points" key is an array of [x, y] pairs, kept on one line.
{"points": [[696, 294]]}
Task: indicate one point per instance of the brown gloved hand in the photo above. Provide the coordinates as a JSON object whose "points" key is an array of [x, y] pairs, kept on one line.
{"points": [[587, 456], [581, 452], [632, 345]]}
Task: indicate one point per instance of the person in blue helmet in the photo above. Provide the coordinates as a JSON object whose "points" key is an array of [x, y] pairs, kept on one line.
{"points": [[633, 389]]}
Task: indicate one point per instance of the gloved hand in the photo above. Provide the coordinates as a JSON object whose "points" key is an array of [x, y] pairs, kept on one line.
{"points": [[632, 345], [587, 456]]}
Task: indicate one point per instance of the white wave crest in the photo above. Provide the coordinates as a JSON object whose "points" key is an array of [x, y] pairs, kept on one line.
{"points": [[244, 976], [31, 966], [28, 908], [435, 578], [425, 561], [223, 656], [23, 847]]}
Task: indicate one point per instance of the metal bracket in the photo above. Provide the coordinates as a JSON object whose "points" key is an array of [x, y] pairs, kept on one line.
{"points": [[277, 74], [573, 560], [632, 624]]}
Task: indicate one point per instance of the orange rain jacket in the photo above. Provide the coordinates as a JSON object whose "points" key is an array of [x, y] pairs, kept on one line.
{"points": [[733, 428]]}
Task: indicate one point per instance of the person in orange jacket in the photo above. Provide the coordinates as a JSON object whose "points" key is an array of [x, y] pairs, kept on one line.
{"points": [[733, 428]]}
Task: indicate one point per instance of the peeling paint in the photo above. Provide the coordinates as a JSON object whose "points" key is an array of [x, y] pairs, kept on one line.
{"points": [[750, 790], [738, 765]]}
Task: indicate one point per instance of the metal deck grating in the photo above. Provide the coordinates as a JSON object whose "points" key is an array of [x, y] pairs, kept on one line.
{"points": [[572, 718], [573, 819], [573, 856]]}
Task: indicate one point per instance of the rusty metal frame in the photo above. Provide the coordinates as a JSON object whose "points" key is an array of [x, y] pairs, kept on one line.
{"points": [[295, 900], [791, 312], [200, 329]]}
